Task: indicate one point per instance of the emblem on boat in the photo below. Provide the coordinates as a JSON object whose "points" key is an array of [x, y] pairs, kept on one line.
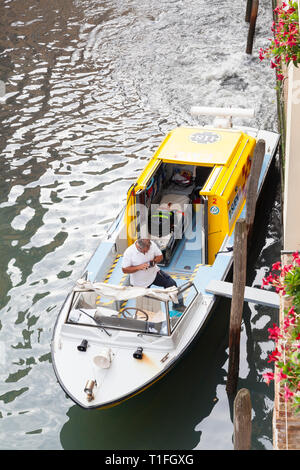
{"points": [[214, 210], [205, 137]]}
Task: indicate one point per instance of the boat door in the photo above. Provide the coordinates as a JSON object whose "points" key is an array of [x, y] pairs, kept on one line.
{"points": [[139, 199]]}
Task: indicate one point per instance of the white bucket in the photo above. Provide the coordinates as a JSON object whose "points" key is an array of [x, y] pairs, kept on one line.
{"points": [[103, 360]]}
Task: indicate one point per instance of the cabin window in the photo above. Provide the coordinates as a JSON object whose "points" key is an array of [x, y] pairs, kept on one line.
{"points": [[145, 315], [142, 315]]}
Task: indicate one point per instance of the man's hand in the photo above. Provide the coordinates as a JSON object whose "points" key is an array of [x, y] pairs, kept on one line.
{"points": [[144, 266], [134, 269], [158, 259]]}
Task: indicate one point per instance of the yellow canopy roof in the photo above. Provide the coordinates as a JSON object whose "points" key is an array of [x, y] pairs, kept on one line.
{"points": [[194, 146]]}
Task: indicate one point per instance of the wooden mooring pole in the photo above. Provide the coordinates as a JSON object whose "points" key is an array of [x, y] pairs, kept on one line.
{"points": [[237, 303], [243, 231], [248, 11], [251, 198], [251, 31], [242, 420]]}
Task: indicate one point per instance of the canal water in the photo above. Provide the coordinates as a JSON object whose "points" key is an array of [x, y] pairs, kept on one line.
{"points": [[91, 89]]}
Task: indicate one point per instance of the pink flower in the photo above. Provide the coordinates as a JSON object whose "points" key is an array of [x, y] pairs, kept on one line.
{"points": [[286, 269], [287, 393], [274, 332], [274, 356], [292, 312], [286, 324], [291, 41], [276, 266], [281, 376], [268, 376], [280, 289], [261, 54], [295, 255], [265, 282]]}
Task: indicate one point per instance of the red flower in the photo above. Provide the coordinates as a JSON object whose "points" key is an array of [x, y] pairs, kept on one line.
{"points": [[286, 269], [291, 41], [261, 54], [276, 266], [292, 311], [274, 332], [268, 376], [274, 356], [281, 376], [287, 393], [280, 289], [265, 282], [286, 324]]}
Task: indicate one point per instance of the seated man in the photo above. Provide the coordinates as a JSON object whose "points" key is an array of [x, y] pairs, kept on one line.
{"points": [[140, 261]]}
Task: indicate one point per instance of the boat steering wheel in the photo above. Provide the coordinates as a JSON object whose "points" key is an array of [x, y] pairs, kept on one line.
{"points": [[144, 315]]}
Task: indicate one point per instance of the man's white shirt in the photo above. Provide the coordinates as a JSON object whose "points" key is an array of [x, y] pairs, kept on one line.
{"points": [[134, 257]]}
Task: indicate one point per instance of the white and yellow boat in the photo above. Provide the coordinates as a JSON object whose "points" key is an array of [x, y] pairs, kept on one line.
{"points": [[111, 340]]}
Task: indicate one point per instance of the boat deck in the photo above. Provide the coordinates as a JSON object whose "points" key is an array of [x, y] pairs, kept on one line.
{"points": [[183, 267]]}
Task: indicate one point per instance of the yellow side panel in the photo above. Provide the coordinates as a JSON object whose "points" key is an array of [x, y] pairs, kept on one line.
{"points": [[236, 192], [130, 216], [237, 169], [226, 198], [217, 225]]}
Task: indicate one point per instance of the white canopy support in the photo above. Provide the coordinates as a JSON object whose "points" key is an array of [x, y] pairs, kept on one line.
{"points": [[117, 292], [223, 119], [231, 112]]}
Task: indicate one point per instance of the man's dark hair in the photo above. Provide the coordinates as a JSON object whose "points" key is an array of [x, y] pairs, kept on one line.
{"points": [[143, 242]]}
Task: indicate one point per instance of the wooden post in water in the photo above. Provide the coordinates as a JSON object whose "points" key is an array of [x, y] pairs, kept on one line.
{"points": [[251, 32], [248, 10], [237, 303], [242, 420], [251, 197]]}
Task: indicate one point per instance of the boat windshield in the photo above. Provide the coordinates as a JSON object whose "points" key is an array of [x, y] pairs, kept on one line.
{"points": [[144, 314]]}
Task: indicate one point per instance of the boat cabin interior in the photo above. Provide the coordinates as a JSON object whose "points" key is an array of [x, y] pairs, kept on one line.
{"points": [[171, 211]]}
